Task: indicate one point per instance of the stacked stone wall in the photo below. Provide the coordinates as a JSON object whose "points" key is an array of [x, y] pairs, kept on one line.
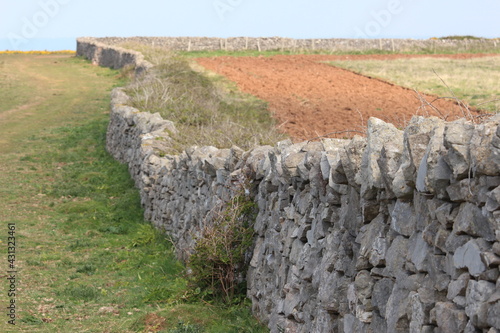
{"points": [[398, 231]]}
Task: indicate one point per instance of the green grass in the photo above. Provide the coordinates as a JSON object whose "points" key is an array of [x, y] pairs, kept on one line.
{"points": [[87, 261], [474, 81]]}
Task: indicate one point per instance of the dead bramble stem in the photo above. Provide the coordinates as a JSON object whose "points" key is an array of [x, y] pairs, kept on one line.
{"points": [[466, 113]]}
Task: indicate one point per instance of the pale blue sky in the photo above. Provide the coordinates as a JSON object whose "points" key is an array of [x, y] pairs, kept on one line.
{"points": [[26, 24]]}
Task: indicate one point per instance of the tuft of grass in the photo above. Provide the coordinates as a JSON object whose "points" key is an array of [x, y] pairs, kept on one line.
{"points": [[80, 292]]}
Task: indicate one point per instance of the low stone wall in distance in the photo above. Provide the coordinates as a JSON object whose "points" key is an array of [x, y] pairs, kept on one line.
{"points": [[398, 231], [328, 44]]}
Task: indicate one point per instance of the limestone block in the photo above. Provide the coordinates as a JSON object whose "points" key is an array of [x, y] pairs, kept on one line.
{"points": [[493, 200], [469, 256], [416, 139], [457, 138], [396, 256], [403, 218], [485, 151], [351, 157], [493, 314], [379, 132], [477, 295], [433, 174], [472, 221], [372, 240], [449, 318]]}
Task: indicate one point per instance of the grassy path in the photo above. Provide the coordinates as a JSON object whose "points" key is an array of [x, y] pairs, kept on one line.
{"points": [[85, 261]]}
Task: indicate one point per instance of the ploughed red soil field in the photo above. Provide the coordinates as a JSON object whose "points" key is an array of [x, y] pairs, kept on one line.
{"points": [[311, 99]]}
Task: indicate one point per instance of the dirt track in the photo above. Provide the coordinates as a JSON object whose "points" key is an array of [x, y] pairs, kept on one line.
{"points": [[311, 99]]}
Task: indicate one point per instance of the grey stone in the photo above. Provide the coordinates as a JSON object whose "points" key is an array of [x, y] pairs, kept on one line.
{"points": [[433, 173], [291, 162], [493, 201], [416, 139], [458, 287], [496, 248], [457, 137], [373, 244], [403, 218], [469, 255], [454, 241], [351, 157], [477, 295], [397, 309], [449, 318], [419, 252], [490, 259], [396, 256], [418, 313], [493, 315], [443, 214], [379, 132], [485, 152], [471, 220], [363, 285], [464, 190], [389, 163], [490, 275], [381, 291]]}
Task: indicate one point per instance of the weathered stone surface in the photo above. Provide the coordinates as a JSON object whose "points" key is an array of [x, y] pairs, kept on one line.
{"points": [[416, 139], [351, 158], [396, 310], [485, 148], [457, 138], [449, 318], [419, 252], [373, 242], [403, 218], [433, 173], [493, 314], [471, 220], [396, 256], [493, 201], [477, 295], [458, 287], [379, 132], [380, 295], [469, 255]]}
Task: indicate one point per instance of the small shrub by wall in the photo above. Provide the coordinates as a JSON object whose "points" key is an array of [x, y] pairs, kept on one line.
{"points": [[395, 232]]}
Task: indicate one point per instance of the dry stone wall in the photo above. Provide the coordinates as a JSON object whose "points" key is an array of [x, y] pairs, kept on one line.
{"points": [[280, 43], [398, 231]]}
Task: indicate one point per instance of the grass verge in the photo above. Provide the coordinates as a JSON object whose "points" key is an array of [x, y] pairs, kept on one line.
{"points": [[86, 260]]}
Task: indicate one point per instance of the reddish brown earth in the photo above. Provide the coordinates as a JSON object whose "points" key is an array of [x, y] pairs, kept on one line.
{"points": [[311, 99]]}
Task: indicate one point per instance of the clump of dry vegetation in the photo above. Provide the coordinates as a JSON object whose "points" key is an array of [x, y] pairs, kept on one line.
{"points": [[206, 109]]}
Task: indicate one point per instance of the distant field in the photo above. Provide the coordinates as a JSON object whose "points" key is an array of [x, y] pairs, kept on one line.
{"points": [[475, 81]]}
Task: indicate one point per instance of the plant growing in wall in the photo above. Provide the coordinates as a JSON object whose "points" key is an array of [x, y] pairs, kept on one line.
{"points": [[218, 263]]}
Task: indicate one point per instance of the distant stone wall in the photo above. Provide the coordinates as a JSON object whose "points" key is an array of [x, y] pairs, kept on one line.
{"points": [[395, 232], [280, 43], [113, 57]]}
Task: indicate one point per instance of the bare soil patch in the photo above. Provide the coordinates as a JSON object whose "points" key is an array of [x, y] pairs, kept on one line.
{"points": [[310, 98]]}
